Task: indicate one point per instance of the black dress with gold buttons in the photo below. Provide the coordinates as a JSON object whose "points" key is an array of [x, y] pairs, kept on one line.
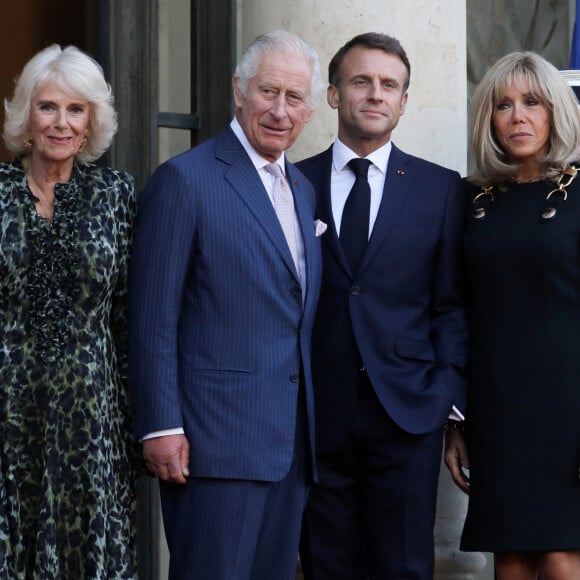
{"points": [[523, 426]]}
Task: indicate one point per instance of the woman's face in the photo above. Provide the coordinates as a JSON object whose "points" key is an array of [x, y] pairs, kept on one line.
{"points": [[522, 124], [58, 124]]}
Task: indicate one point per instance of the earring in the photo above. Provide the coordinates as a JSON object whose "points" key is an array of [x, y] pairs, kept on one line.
{"points": [[83, 145], [28, 140]]}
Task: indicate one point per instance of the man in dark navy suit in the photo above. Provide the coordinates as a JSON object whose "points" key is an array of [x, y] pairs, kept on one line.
{"points": [[225, 277], [389, 342]]}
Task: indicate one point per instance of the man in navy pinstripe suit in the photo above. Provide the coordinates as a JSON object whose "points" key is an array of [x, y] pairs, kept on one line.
{"points": [[221, 319]]}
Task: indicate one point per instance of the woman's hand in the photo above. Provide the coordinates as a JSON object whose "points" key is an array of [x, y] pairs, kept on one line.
{"points": [[456, 458]]}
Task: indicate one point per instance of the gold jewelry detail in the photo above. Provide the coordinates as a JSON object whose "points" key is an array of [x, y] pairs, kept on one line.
{"points": [[83, 145], [530, 180], [43, 198], [566, 178], [28, 140], [479, 212], [483, 200]]}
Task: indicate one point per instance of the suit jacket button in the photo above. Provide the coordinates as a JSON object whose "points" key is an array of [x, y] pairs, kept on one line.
{"points": [[355, 290], [294, 378], [297, 290]]}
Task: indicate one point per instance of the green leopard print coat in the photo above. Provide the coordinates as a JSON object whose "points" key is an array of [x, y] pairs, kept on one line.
{"points": [[67, 485]]}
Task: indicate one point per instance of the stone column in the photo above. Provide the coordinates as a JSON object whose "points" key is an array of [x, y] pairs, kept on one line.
{"points": [[450, 563], [433, 32]]}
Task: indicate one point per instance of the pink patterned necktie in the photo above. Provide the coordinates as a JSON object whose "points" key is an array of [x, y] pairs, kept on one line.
{"points": [[284, 206]]}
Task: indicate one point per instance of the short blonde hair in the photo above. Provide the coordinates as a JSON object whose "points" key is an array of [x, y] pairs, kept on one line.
{"points": [[78, 75], [489, 163]]}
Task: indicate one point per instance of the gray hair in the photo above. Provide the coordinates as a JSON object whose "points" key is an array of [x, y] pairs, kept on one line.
{"points": [[286, 43], [547, 84], [78, 75]]}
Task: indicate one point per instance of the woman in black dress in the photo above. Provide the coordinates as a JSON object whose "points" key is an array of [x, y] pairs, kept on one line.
{"points": [[521, 442]]}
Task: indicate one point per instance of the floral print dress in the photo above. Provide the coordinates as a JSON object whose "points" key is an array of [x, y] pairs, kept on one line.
{"points": [[67, 485]]}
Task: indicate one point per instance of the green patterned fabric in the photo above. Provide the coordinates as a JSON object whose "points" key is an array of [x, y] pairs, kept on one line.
{"points": [[67, 457]]}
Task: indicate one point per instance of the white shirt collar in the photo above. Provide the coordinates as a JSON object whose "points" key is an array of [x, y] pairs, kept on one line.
{"points": [[341, 155], [258, 161]]}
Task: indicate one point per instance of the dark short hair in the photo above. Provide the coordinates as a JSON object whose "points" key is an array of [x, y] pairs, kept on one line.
{"points": [[373, 40]]}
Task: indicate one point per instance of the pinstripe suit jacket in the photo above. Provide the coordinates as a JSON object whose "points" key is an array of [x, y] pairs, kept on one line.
{"points": [[218, 325]]}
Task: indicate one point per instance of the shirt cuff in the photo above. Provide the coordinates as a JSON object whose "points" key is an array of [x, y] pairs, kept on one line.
{"points": [[456, 414], [163, 433]]}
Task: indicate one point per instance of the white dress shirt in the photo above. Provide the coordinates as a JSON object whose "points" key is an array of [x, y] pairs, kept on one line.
{"points": [[342, 179]]}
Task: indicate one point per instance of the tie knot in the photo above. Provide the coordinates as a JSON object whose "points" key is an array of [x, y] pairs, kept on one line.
{"points": [[274, 169], [360, 166]]}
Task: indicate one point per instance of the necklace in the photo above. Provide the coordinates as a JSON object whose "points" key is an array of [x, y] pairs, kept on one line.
{"points": [[43, 200], [484, 199]]}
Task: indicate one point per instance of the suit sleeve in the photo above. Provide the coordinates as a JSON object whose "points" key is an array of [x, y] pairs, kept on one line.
{"points": [[448, 307], [162, 253]]}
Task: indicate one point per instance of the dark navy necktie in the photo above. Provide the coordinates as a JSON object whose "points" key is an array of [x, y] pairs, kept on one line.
{"points": [[354, 227]]}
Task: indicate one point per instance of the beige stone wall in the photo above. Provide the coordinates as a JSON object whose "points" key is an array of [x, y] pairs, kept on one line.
{"points": [[433, 34]]}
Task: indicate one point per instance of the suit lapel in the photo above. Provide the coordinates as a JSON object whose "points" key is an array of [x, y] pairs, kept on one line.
{"points": [[304, 212], [245, 181], [320, 178], [395, 193]]}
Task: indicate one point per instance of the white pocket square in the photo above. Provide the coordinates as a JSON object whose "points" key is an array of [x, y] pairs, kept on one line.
{"points": [[319, 228]]}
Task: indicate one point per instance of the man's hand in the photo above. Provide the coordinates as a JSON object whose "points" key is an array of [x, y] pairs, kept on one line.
{"points": [[456, 458], [167, 457]]}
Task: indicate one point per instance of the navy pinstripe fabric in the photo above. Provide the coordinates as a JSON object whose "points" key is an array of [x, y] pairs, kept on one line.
{"points": [[218, 328]]}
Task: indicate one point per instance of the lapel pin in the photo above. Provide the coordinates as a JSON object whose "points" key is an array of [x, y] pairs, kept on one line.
{"points": [[400, 172], [295, 182]]}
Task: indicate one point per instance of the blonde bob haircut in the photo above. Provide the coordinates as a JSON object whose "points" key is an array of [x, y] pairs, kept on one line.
{"points": [[79, 76], [489, 163]]}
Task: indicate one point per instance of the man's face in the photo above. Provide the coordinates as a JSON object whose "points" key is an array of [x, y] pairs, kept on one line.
{"points": [[274, 111], [369, 98]]}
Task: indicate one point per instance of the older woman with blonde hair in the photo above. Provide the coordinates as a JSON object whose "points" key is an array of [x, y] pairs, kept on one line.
{"points": [[67, 493], [518, 453]]}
